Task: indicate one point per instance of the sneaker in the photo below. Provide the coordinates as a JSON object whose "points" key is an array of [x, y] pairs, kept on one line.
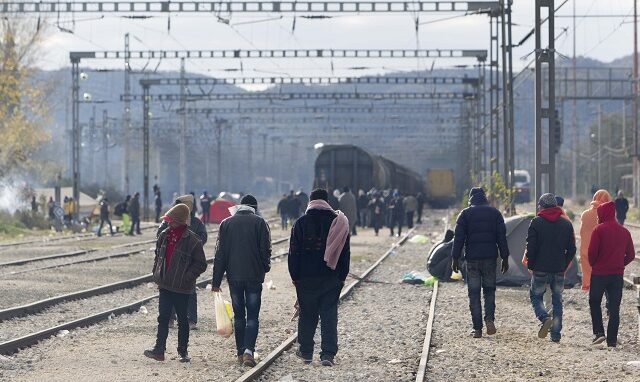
{"points": [[248, 360], [544, 327], [305, 359], [556, 340], [598, 339], [193, 326], [491, 327], [183, 356], [154, 354], [326, 360], [476, 333], [240, 360]]}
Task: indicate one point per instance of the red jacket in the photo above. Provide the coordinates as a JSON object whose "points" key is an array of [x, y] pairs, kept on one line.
{"points": [[611, 247]]}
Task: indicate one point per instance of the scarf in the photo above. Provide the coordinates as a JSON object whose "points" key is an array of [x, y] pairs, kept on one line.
{"points": [[241, 207], [338, 232]]}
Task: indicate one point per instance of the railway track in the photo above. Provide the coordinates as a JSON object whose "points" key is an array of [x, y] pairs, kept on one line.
{"points": [[13, 345], [81, 253], [265, 363]]}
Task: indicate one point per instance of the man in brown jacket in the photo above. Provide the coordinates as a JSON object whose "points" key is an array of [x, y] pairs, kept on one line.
{"points": [[179, 261]]}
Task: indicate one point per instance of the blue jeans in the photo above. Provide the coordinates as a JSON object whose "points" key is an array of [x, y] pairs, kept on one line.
{"points": [[481, 274], [246, 297], [539, 281]]}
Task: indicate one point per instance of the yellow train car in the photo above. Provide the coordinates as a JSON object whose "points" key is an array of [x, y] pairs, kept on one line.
{"points": [[440, 188]]}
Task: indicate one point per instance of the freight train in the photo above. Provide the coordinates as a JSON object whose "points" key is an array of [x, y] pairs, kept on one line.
{"points": [[338, 166]]}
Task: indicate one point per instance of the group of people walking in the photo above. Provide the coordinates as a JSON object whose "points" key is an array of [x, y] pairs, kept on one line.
{"points": [[606, 247], [319, 256], [374, 209], [128, 210]]}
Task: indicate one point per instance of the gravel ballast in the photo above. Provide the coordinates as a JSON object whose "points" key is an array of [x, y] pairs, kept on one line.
{"points": [[381, 328], [113, 350]]}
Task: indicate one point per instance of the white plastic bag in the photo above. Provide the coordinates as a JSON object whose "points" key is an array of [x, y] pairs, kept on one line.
{"points": [[223, 320]]}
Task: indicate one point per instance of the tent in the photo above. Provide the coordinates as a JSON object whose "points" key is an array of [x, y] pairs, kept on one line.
{"points": [[517, 275], [219, 210]]}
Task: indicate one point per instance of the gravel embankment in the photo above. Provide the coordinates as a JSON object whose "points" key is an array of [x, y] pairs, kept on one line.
{"points": [[113, 350], [515, 353], [381, 328]]}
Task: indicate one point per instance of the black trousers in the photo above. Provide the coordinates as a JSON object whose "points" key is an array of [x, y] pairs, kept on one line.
{"points": [[409, 219], [168, 301], [612, 285], [135, 224], [318, 299], [102, 222]]}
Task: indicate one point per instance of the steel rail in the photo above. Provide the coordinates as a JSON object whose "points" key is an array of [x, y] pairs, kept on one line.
{"points": [[37, 306], [86, 251], [263, 365], [426, 346], [14, 345], [91, 260]]}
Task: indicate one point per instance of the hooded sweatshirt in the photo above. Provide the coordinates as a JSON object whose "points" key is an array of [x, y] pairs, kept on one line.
{"points": [[611, 246], [589, 220], [550, 242]]}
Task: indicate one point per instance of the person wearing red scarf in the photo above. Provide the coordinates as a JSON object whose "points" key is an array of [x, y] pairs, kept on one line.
{"points": [[550, 248], [179, 261]]}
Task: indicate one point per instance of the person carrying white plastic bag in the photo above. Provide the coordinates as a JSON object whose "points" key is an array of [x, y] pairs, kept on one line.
{"points": [[224, 325], [243, 253]]}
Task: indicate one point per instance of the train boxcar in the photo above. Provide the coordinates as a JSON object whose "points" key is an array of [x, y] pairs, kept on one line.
{"points": [[338, 166], [440, 188]]}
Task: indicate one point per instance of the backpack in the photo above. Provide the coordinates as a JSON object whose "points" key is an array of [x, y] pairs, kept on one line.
{"points": [[120, 209]]}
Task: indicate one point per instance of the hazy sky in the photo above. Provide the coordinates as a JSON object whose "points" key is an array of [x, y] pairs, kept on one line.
{"points": [[599, 38]]}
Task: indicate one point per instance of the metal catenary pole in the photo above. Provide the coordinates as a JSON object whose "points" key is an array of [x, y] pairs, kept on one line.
{"points": [[545, 166], [145, 144]]}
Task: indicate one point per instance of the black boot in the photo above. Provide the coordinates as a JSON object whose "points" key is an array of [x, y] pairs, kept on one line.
{"points": [[154, 354]]}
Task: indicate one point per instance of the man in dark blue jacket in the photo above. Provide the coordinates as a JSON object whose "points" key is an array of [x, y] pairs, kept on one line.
{"points": [[481, 232]]}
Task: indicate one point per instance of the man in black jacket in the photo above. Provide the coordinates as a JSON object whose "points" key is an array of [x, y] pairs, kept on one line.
{"points": [[550, 248], [480, 230], [318, 279], [134, 211], [243, 251], [104, 216]]}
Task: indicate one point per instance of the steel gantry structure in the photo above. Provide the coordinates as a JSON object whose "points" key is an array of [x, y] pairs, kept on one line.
{"points": [[129, 55], [256, 6]]}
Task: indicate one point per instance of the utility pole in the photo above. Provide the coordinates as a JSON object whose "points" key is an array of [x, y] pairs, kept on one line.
{"points": [[545, 164], [574, 116], [599, 155], [183, 131], [145, 147], [91, 145], [127, 114], [636, 176], [218, 133], [75, 131], [105, 146]]}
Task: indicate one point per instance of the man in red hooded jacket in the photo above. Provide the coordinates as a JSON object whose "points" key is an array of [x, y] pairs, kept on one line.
{"points": [[610, 250], [550, 248]]}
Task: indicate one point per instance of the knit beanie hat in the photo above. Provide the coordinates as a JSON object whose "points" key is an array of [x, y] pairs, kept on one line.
{"points": [[185, 199], [249, 200], [476, 191], [179, 213], [547, 201], [319, 194]]}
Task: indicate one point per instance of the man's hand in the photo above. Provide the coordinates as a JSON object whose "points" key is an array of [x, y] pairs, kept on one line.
{"points": [[505, 266], [214, 289], [455, 265]]}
